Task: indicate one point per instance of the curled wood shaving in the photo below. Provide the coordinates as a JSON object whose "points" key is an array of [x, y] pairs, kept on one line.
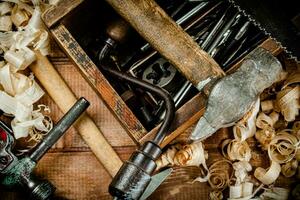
{"points": [[220, 175], [265, 136], [292, 79], [275, 193], [289, 169], [21, 4], [236, 150], [288, 102], [21, 58], [18, 92], [283, 147], [264, 121], [241, 170], [5, 23], [268, 176], [187, 155], [191, 155], [246, 128], [296, 129], [216, 195], [243, 191], [267, 106], [167, 158], [5, 8], [19, 17]]}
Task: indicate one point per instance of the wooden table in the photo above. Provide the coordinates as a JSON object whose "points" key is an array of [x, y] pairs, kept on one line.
{"points": [[76, 173]]}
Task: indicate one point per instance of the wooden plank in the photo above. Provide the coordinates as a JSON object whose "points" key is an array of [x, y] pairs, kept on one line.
{"points": [[57, 12], [164, 35], [96, 79], [76, 175]]}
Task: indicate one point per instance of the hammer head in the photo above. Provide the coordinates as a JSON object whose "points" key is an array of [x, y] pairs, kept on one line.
{"points": [[233, 96]]}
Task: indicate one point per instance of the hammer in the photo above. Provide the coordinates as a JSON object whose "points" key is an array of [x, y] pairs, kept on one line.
{"points": [[230, 97], [65, 98]]}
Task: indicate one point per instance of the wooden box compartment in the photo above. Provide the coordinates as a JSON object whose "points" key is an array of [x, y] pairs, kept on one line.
{"points": [[78, 26]]}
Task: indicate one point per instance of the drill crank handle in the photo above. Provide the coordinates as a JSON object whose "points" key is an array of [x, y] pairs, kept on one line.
{"points": [[169, 103], [60, 128]]}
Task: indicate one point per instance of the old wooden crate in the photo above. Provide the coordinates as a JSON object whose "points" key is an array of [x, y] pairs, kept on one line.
{"points": [[70, 20]]}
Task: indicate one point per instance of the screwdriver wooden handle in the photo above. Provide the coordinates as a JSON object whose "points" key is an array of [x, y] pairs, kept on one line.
{"points": [[62, 95], [164, 35]]}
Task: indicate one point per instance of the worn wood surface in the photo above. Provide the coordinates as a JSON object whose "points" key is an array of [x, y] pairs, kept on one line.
{"points": [[164, 35], [79, 176], [98, 81], [55, 13]]}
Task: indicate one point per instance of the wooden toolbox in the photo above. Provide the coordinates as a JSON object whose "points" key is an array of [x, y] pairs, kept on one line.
{"points": [[74, 169], [71, 22]]}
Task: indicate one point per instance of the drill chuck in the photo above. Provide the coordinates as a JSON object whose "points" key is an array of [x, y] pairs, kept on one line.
{"points": [[135, 174]]}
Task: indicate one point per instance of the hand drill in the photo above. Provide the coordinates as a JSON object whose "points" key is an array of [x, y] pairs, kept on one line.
{"points": [[18, 172]]}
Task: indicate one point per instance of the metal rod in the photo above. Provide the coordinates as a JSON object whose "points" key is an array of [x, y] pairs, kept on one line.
{"points": [[169, 103], [225, 28], [215, 30], [60, 128]]}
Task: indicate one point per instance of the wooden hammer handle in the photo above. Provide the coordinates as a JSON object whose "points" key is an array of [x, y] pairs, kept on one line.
{"points": [[64, 98], [153, 24]]}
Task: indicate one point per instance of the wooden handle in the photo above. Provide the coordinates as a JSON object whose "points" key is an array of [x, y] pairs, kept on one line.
{"points": [[153, 24], [64, 98]]}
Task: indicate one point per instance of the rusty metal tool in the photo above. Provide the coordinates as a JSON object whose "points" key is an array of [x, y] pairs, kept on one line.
{"points": [[233, 96], [135, 175], [17, 172]]}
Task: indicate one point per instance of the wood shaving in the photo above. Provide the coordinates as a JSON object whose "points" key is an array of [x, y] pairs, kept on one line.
{"points": [[5, 23], [267, 106], [288, 102], [289, 169], [265, 136], [19, 17], [236, 150], [187, 155], [18, 92], [264, 121], [220, 174], [268, 176], [241, 170], [292, 79], [275, 193], [216, 195], [283, 147], [167, 158], [246, 128], [243, 191], [5, 8], [296, 129]]}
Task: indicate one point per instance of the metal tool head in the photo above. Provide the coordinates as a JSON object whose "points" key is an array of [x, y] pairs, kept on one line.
{"points": [[232, 96], [156, 181]]}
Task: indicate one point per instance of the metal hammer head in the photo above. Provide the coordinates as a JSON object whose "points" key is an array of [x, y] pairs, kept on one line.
{"points": [[232, 96]]}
